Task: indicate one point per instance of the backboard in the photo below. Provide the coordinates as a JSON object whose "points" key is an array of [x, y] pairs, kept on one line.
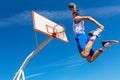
{"points": [[47, 26]]}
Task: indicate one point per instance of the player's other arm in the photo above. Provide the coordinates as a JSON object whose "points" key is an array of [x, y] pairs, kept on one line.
{"points": [[94, 21]]}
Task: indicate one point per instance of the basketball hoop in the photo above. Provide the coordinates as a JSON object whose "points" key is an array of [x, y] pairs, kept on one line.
{"points": [[49, 27], [45, 26], [57, 31]]}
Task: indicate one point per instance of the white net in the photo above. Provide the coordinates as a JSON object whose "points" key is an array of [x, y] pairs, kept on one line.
{"points": [[58, 30]]}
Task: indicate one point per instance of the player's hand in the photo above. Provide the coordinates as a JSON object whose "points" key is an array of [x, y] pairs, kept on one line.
{"points": [[101, 27]]}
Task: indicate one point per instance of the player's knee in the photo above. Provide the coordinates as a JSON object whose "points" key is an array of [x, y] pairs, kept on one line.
{"points": [[83, 54], [90, 60]]}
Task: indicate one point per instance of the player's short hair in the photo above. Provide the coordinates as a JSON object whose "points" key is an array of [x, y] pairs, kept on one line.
{"points": [[76, 12]]}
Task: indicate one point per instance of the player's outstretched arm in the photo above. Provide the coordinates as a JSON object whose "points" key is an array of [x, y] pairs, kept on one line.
{"points": [[94, 21]]}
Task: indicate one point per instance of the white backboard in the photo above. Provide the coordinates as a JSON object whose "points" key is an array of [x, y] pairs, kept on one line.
{"points": [[41, 22]]}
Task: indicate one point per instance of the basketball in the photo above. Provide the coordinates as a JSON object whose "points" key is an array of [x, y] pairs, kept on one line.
{"points": [[72, 6]]}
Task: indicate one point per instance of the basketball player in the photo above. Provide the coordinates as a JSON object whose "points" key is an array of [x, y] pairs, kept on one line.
{"points": [[85, 44]]}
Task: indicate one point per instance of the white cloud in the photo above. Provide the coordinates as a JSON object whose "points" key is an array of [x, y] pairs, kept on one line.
{"points": [[56, 14], [26, 16], [21, 18], [34, 75], [102, 11], [69, 62], [64, 64]]}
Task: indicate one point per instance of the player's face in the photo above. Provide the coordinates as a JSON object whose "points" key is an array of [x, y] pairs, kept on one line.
{"points": [[72, 8], [74, 15]]}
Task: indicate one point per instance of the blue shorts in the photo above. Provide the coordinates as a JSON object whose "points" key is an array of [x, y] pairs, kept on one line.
{"points": [[82, 40]]}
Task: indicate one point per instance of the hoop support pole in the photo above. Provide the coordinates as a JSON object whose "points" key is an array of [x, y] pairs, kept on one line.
{"points": [[31, 55]]}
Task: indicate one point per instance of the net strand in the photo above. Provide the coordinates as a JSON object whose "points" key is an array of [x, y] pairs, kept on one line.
{"points": [[57, 31]]}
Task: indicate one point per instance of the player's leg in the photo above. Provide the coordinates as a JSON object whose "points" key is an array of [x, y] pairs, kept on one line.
{"points": [[94, 35], [89, 45], [94, 56], [81, 40], [95, 32], [105, 44]]}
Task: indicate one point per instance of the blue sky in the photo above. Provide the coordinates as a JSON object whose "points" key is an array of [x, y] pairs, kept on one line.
{"points": [[58, 60]]}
